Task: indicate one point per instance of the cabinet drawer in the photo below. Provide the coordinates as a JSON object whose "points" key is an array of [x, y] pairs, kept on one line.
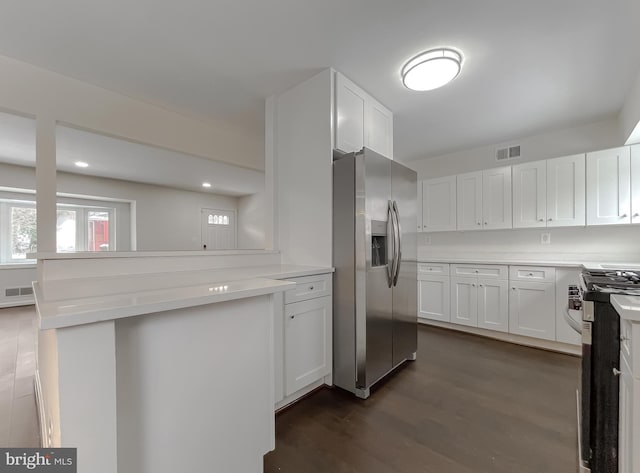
{"points": [[308, 287], [441, 269], [532, 273], [493, 271]]}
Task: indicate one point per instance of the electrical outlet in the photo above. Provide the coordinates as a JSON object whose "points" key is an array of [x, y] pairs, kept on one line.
{"points": [[427, 240], [545, 238]]}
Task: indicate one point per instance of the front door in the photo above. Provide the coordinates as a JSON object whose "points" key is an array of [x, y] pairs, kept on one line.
{"points": [[218, 229]]}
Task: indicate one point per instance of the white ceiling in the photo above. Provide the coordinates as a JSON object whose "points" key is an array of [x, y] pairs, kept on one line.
{"points": [[119, 159], [530, 66]]}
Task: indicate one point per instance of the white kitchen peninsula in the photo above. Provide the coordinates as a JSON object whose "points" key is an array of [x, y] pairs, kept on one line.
{"points": [[161, 371]]}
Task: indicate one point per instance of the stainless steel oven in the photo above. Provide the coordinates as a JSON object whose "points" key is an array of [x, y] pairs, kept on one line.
{"points": [[599, 387]]}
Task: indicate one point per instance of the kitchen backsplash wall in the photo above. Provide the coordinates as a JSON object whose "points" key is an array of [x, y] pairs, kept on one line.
{"points": [[620, 243]]}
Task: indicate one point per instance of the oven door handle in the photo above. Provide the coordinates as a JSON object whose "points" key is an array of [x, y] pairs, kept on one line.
{"points": [[573, 323]]}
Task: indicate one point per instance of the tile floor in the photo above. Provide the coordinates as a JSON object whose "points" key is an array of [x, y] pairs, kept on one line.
{"points": [[18, 419]]}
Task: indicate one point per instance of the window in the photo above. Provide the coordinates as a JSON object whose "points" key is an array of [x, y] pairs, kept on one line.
{"points": [[218, 219], [85, 228], [23, 237], [78, 228]]}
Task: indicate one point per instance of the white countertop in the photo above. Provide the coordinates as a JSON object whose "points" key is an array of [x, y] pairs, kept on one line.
{"points": [[556, 264], [525, 262], [106, 298], [71, 312], [627, 306]]}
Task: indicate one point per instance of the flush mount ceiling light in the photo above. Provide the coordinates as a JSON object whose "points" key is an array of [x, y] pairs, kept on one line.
{"points": [[206, 184], [431, 69], [81, 164]]}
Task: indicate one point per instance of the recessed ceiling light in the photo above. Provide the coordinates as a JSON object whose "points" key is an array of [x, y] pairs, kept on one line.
{"points": [[431, 69], [206, 184], [81, 164]]}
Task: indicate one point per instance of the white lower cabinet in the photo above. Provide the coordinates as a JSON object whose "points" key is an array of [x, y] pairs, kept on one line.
{"points": [[480, 301], [522, 300], [493, 305], [303, 338], [626, 419], [629, 409], [532, 309], [433, 298], [464, 301], [307, 342]]}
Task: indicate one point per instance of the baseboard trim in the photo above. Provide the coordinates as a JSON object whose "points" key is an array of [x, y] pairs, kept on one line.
{"points": [[4, 305], [301, 394], [560, 347]]}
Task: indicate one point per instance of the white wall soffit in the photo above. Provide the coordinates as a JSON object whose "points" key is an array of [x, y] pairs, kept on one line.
{"points": [[121, 159]]}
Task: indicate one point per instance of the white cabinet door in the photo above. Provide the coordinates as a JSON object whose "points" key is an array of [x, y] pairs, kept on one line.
{"points": [[496, 198], [469, 201], [307, 344], [439, 204], [608, 187], [378, 128], [625, 420], [566, 191], [419, 203], [464, 301], [433, 298], [532, 309], [635, 184], [493, 305], [530, 195], [350, 112]]}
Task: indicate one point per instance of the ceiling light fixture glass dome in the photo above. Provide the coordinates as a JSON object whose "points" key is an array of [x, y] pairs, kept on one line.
{"points": [[431, 69]]}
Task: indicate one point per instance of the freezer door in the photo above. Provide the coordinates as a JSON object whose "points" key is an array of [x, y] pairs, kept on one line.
{"points": [[404, 193], [374, 325]]}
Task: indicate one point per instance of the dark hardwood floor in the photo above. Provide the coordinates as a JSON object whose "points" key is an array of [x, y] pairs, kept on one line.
{"points": [[468, 404]]}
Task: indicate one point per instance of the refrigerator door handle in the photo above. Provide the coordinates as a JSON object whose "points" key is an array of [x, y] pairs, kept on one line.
{"points": [[390, 242], [398, 234]]}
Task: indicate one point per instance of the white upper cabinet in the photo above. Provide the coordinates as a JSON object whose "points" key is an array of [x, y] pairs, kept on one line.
{"points": [[635, 184], [549, 193], [350, 111], [566, 191], [609, 187], [439, 204], [361, 120], [530, 194], [378, 128], [496, 198], [469, 201]]}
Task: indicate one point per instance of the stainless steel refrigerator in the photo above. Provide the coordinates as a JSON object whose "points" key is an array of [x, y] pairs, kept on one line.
{"points": [[375, 283]]}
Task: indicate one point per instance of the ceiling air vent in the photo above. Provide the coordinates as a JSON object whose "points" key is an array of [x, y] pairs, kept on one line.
{"points": [[510, 152]]}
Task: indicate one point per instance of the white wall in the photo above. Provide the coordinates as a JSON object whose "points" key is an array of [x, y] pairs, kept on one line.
{"points": [[303, 177], [251, 221], [14, 276], [630, 114], [581, 139], [577, 244], [613, 243], [166, 219]]}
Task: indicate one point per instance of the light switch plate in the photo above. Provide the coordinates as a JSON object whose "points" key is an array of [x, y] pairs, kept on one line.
{"points": [[545, 238]]}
